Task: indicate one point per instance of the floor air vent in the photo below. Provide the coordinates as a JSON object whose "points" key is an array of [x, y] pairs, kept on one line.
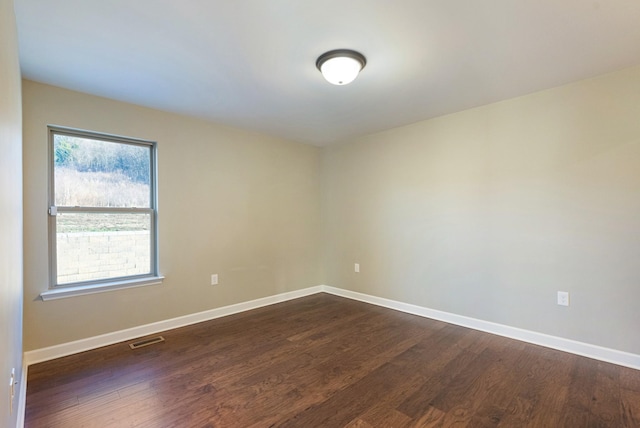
{"points": [[146, 342]]}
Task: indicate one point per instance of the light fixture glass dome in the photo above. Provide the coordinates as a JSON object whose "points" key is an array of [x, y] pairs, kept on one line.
{"points": [[341, 66]]}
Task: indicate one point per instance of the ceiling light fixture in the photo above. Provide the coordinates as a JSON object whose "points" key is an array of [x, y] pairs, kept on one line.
{"points": [[341, 66]]}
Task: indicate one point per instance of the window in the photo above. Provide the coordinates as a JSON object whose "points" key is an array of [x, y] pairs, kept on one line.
{"points": [[102, 212]]}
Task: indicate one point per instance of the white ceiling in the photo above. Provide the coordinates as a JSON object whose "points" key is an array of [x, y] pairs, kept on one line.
{"points": [[251, 63]]}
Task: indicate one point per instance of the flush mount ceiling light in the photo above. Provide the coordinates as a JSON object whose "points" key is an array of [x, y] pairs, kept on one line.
{"points": [[341, 66]]}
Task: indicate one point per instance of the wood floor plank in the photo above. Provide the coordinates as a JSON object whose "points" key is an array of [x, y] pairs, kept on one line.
{"points": [[500, 390], [431, 418], [545, 385], [583, 382], [629, 379], [605, 409], [384, 416], [323, 360], [451, 396], [630, 407]]}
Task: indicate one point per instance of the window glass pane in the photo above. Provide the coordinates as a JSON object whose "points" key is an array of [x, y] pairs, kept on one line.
{"points": [[96, 246], [95, 173]]}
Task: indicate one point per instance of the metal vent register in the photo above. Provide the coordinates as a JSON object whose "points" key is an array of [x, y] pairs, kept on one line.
{"points": [[146, 342]]}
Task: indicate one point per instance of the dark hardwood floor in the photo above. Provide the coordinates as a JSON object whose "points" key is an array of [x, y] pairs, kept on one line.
{"points": [[325, 361]]}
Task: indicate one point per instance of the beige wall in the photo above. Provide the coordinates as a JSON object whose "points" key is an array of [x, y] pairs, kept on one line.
{"points": [[10, 212], [489, 212], [231, 202], [485, 213]]}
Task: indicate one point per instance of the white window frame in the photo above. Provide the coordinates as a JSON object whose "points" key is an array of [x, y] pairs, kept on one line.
{"points": [[56, 290]]}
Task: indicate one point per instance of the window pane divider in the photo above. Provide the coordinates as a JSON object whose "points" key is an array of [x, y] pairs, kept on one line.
{"points": [[103, 210]]}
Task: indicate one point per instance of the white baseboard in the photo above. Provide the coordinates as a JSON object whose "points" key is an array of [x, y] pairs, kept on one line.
{"points": [[567, 345], [587, 350], [64, 349]]}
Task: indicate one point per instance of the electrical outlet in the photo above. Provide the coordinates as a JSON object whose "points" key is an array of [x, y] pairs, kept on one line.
{"points": [[214, 279], [356, 267], [563, 298]]}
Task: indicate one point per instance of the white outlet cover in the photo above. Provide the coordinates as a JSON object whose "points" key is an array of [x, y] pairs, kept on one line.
{"points": [[214, 279], [563, 298], [356, 267]]}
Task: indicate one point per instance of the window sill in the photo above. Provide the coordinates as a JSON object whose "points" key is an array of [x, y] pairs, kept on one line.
{"points": [[80, 290]]}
